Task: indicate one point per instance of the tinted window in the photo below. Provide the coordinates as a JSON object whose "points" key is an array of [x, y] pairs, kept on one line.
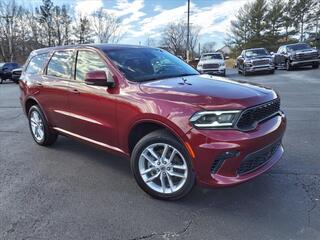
{"points": [[60, 65], [256, 52], [144, 64], [36, 63], [211, 56], [88, 61], [296, 47]]}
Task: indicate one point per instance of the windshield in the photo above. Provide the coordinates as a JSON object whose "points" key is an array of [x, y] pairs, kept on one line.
{"points": [[144, 64], [211, 56], [256, 52], [296, 47]]}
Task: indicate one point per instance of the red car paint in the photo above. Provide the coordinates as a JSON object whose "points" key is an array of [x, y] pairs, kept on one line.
{"points": [[106, 116]]}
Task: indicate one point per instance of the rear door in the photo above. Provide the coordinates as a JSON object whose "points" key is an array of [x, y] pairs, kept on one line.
{"points": [[92, 108], [54, 88]]}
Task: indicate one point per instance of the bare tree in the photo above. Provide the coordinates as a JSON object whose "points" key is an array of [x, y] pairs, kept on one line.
{"points": [[208, 47], [150, 42], [61, 25], [9, 13], [106, 26], [82, 30], [44, 14], [174, 38]]}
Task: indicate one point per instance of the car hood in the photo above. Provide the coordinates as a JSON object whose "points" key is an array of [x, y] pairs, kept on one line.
{"points": [[305, 51], [208, 92]]}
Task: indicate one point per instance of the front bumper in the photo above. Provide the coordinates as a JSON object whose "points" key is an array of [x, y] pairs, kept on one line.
{"points": [[210, 145], [260, 68], [304, 62], [220, 70]]}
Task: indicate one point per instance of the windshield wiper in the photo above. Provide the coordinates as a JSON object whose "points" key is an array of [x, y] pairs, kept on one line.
{"points": [[168, 76]]}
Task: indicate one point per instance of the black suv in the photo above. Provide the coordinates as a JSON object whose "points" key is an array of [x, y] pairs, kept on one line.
{"points": [[296, 55], [6, 69], [255, 60]]}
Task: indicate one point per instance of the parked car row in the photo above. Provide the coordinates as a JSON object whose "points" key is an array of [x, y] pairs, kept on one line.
{"points": [[10, 71], [288, 56]]}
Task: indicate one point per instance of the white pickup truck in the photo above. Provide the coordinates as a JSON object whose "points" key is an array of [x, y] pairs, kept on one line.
{"points": [[212, 63]]}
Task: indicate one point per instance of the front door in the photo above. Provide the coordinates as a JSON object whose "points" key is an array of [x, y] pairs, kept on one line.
{"points": [[92, 108]]}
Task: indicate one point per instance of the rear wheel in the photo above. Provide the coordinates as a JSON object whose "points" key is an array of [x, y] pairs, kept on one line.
{"points": [[271, 71], [162, 166], [1, 80], [39, 128]]}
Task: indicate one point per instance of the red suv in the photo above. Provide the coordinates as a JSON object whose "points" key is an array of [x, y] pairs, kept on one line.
{"points": [[176, 126]]}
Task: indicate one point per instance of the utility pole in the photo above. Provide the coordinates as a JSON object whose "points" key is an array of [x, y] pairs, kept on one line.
{"points": [[188, 32]]}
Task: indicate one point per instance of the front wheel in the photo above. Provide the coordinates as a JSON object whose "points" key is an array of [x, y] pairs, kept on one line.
{"points": [[162, 166], [39, 128], [288, 66]]}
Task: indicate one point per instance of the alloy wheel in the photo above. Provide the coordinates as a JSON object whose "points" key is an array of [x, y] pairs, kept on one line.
{"points": [[37, 126], [163, 168]]}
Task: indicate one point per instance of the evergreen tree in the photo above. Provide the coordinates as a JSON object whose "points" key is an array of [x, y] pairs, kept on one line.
{"points": [[275, 23], [303, 17]]}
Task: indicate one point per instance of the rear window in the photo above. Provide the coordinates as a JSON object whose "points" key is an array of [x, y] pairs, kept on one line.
{"points": [[60, 65], [36, 64]]}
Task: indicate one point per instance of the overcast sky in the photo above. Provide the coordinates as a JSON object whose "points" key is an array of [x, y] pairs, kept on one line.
{"points": [[146, 18]]}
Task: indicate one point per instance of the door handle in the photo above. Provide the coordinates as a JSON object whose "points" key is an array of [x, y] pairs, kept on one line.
{"points": [[39, 84], [75, 91]]}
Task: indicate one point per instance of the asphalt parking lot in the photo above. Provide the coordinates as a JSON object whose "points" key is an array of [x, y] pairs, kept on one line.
{"points": [[74, 191]]}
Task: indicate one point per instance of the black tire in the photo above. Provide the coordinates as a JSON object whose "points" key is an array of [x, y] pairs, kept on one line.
{"points": [[315, 65], [224, 73], [244, 72], [158, 137], [288, 66], [49, 136], [271, 71], [1, 80]]}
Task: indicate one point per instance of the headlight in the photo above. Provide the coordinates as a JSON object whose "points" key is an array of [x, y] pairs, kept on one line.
{"points": [[214, 119], [248, 62]]}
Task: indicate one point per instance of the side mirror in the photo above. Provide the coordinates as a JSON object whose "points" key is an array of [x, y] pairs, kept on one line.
{"points": [[99, 78]]}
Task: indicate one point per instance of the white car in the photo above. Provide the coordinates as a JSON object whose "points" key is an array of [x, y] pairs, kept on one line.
{"points": [[212, 63]]}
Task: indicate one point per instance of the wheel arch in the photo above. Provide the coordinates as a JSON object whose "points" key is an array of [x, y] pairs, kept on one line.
{"points": [[31, 102], [143, 127]]}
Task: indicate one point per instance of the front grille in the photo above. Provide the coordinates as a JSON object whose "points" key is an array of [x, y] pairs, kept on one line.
{"points": [[258, 158], [252, 116], [306, 56], [210, 65], [260, 62]]}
